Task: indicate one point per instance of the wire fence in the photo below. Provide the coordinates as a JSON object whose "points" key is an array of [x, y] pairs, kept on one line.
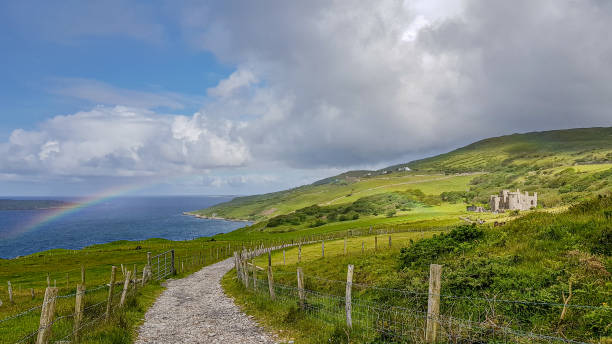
{"points": [[388, 315], [68, 323]]}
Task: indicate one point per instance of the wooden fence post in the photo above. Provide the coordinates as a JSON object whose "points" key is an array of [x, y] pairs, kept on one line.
{"points": [[144, 274], [48, 280], [283, 257], [10, 292], [236, 264], [246, 272], [322, 248], [389, 241], [78, 310], [300, 282], [433, 303], [254, 275], [83, 274], [375, 243], [135, 277], [349, 284], [149, 258], [300, 253], [172, 262], [270, 277], [32, 293], [345, 246], [46, 316], [110, 293], [126, 285], [362, 247]]}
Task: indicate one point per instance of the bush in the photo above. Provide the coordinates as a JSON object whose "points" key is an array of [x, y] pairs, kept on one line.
{"points": [[425, 251]]}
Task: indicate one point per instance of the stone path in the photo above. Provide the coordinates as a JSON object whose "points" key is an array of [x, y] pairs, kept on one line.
{"points": [[195, 310]]}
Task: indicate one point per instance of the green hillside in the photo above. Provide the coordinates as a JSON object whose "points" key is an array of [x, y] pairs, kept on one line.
{"points": [[341, 189], [536, 150], [563, 166], [516, 276]]}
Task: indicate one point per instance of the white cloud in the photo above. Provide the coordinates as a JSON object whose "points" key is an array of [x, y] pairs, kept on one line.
{"points": [[121, 141], [239, 79]]}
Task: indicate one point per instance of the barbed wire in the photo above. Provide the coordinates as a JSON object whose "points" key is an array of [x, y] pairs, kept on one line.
{"points": [[392, 312], [28, 336], [406, 291], [20, 314]]}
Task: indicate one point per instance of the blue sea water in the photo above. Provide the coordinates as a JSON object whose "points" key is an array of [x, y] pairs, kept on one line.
{"points": [[125, 218]]}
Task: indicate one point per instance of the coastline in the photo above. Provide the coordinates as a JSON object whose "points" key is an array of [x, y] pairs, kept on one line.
{"points": [[213, 217]]}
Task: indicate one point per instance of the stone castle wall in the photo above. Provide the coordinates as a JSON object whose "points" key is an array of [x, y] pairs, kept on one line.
{"points": [[507, 200]]}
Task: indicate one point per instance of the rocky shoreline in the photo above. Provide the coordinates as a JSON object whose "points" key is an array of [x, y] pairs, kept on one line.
{"points": [[213, 217]]}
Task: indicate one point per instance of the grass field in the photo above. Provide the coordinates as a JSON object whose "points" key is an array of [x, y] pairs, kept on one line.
{"points": [[64, 269], [531, 261], [344, 191]]}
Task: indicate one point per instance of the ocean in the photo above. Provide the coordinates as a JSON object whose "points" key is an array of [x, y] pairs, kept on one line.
{"points": [[123, 218]]}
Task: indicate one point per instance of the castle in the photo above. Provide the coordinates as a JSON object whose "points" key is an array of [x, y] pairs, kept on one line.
{"points": [[513, 201]]}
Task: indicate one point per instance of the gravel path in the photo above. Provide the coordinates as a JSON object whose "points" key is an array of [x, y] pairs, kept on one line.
{"points": [[195, 310]]}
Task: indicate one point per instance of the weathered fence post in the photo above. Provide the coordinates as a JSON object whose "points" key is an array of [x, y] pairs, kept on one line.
{"points": [[83, 274], [270, 277], [32, 293], [144, 274], [283, 257], [345, 246], [10, 292], [375, 243], [135, 280], [300, 282], [323, 248], [78, 309], [126, 285], [246, 272], [349, 284], [254, 275], [433, 303], [48, 280], [46, 316], [172, 263], [236, 265], [109, 301], [362, 247], [300, 253], [389, 241]]}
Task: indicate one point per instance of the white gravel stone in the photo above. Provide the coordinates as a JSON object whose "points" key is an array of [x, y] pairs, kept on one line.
{"points": [[196, 310]]}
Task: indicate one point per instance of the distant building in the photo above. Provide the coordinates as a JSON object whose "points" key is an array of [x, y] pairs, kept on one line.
{"points": [[475, 209], [405, 168], [507, 200]]}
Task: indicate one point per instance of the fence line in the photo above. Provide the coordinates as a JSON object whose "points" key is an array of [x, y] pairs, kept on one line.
{"points": [[410, 320]]}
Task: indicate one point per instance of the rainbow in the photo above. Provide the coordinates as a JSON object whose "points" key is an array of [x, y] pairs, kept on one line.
{"points": [[51, 215]]}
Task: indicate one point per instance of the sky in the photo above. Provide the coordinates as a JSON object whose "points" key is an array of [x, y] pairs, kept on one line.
{"points": [[243, 97]]}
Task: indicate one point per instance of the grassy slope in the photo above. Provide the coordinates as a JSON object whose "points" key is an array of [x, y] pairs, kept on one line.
{"points": [[529, 161], [333, 191], [533, 258], [63, 267], [536, 150]]}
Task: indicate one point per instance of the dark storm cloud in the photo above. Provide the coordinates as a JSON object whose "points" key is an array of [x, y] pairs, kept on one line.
{"points": [[342, 87]]}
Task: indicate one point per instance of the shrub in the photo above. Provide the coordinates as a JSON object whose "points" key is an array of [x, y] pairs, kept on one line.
{"points": [[424, 251]]}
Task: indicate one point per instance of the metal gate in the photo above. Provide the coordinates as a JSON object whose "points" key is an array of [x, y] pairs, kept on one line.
{"points": [[162, 265]]}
